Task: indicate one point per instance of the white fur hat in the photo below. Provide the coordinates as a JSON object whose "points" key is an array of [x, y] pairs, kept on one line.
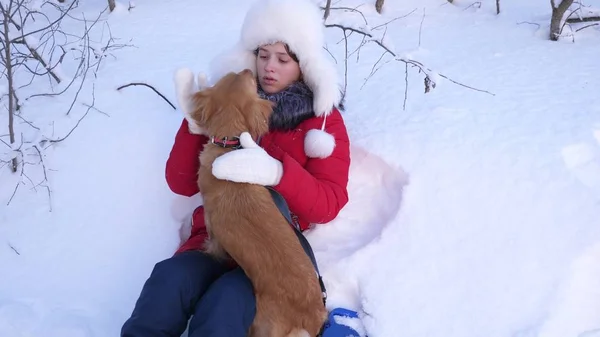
{"points": [[299, 24]]}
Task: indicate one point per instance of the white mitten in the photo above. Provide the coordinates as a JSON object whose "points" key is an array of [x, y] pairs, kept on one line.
{"points": [[250, 164], [185, 87]]}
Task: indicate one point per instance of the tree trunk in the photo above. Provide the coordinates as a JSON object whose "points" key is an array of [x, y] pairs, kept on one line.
{"points": [[557, 14], [379, 6], [497, 6], [327, 10], [111, 5], [11, 89]]}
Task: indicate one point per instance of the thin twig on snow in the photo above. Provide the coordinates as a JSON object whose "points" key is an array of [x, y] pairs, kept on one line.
{"points": [[151, 87]]}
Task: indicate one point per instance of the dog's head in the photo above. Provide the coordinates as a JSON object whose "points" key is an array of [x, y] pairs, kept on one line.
{"points": [[232, 106]]}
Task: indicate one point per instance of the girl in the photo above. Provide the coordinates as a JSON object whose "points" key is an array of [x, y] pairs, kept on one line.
{"points": [[305, 157]]}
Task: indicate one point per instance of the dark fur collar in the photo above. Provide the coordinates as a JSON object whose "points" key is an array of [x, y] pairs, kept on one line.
{"points": [[292, 106]]}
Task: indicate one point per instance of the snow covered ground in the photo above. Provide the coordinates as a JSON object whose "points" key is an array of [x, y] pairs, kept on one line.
{"points": [[471, 214]]}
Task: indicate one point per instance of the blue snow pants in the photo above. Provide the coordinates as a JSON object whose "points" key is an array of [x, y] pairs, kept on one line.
{"points": [[220, 301]]}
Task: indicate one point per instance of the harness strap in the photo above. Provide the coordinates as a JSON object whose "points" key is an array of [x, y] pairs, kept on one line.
{"points": [[283, 208]]}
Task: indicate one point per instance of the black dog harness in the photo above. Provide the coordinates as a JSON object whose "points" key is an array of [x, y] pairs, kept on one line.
{"points": [[234, 143], [283, 208]]}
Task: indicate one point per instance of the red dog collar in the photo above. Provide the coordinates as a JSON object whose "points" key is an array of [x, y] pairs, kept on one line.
{"points": [[227, 142]]}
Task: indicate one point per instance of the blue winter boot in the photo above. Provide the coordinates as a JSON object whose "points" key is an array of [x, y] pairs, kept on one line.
{"points": [[335, 329]]}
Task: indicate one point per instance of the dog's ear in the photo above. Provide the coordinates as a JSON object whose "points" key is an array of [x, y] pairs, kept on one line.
{"points": [[257, 116], [202, 102]]}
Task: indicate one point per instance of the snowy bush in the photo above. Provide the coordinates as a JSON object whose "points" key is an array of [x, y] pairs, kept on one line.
{"points": [[357, 21], [48, 52]]}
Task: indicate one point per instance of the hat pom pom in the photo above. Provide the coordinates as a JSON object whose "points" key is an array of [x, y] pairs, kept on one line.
{"points": [[318, 144]]}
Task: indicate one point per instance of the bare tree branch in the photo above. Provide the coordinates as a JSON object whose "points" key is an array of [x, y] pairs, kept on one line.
{"points": [[13, 248], [73, 5], [76, 124], [583, 14], [585, 19], [327, 10], [394, 19], [13, 194], [421, 26], [476, 4], [587, 26], [429, 83], [30, 55], [348, 9], [345, 66], [151, 87], [28, 122], [367, 35], [405, 86], [10, 74], [37, 149], [38, 57]]}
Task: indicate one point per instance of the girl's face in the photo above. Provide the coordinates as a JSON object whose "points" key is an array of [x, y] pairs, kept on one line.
{"points": [[276, 68]]}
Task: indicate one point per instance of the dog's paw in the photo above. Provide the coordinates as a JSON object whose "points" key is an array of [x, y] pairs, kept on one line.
{"points": [[202, 81], [184, 88], [184, 78]]}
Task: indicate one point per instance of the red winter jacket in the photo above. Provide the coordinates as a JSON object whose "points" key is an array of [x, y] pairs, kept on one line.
{"points": [[315, 189]]}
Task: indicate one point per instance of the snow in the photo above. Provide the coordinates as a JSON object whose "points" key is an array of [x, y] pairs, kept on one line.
{"points": [[582, 11], [470, 215], [576, 312]]}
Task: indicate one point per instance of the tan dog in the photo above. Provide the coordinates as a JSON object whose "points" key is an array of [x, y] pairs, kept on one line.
{"points": [[243, 221]]}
